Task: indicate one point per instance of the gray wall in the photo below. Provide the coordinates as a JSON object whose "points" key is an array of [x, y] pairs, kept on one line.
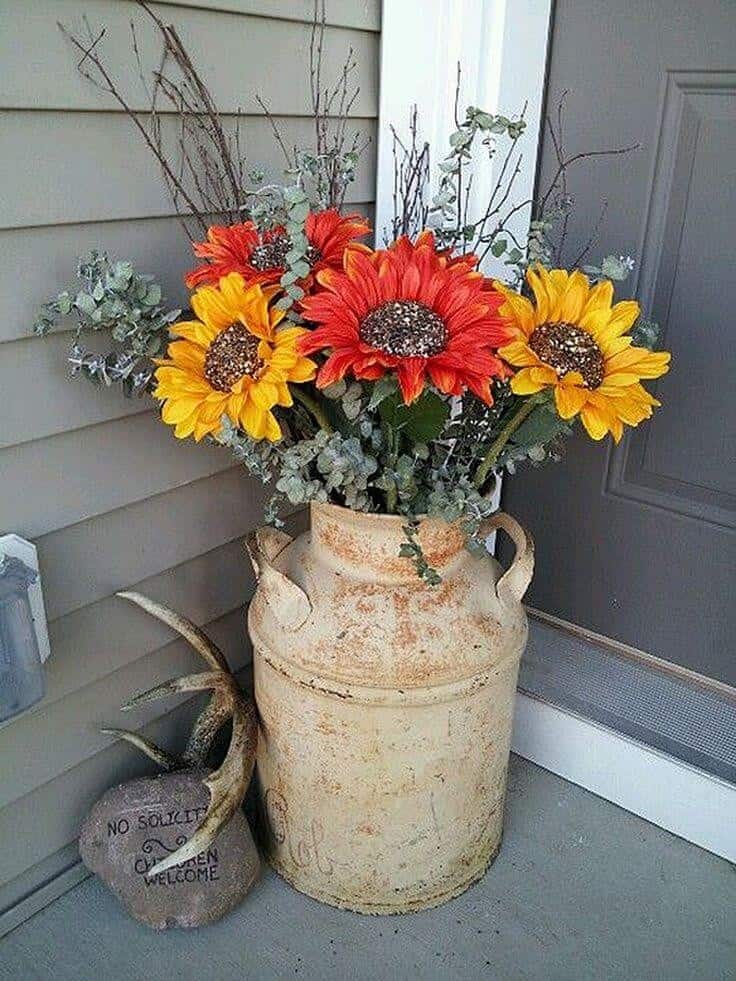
{"points": [[110, 498]]}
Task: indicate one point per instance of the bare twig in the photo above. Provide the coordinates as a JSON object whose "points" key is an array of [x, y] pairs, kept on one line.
{"points": [[410, 182], [204, 169]]}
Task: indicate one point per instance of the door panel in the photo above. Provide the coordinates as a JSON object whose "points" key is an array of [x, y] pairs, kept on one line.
{"points": [[637, 542]]}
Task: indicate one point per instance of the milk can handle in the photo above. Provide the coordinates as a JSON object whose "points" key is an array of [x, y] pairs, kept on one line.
{"points": [[288, 602], [512, 585]]}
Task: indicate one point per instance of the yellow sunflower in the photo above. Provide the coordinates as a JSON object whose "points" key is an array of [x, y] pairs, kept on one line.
{"points": [[572, 340], [231, 361]]}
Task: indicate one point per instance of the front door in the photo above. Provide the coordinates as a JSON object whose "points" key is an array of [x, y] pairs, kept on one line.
{"points": [[637, 542]]}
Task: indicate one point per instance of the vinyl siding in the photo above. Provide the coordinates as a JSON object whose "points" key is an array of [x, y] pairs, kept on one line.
{"points": [[110, 498]]}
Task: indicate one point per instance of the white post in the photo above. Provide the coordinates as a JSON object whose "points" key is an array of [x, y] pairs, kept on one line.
{"points": [[501, 46]]}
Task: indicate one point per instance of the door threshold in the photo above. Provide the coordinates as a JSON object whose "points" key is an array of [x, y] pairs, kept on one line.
{"points": [[658, 742]]}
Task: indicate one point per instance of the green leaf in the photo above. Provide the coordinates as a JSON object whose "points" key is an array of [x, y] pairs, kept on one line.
{"points": [[301, 269], [499, 247], [294, 195], [460, 138], [645, 333], [420, 422], [542, 425], [85, 303], [299, 212], [381, 390], [65, 304], [336, 390], [484, 119], [613, 267]]}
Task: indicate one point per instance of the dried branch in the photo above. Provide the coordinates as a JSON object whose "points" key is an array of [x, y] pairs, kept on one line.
{"points": [[410, 182], [553, 207], [204, 169]]}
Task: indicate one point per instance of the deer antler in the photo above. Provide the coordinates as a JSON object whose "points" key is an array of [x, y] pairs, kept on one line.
{"points": [[227, 785], [189, 631], [165, 760]]}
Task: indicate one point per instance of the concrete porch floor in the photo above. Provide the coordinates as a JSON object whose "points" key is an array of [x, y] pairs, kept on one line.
{"points": [[581, 890]]}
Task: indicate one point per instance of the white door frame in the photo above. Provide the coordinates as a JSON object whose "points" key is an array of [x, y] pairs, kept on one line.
{"points": [[502, 47]]}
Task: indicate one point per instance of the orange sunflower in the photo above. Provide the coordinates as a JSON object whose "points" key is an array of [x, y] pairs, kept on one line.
{"points": [[260, 258], [407, 310], [573, 340], [231, 361]]}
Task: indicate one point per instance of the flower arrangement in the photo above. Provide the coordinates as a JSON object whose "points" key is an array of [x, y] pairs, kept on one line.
{"points": [[397, 379]]}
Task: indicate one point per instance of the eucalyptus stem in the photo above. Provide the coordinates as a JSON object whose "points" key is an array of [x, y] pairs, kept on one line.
{"points": [[494, 450], [392, 491], [312, 406]]}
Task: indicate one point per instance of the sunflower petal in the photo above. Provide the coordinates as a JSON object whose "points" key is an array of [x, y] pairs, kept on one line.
{"points": [[518, 354], [623, 317], [574, 298], [263, 393], [195, 331], [523, 384], [272, 431], [518, 310], [410, 375], [596, 420], [569, 400], [303, 371], [176, 410], [253, 419], [600, 297]]}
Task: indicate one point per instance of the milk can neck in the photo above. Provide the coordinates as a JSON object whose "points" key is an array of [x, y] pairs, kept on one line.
{"points": [[367, 546]]}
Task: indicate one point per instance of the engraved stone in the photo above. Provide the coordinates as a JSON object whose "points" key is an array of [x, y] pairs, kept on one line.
{"points": [[135, 825]]}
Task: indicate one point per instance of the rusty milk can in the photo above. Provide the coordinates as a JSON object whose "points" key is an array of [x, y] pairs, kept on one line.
{"points": [[385, 705]]}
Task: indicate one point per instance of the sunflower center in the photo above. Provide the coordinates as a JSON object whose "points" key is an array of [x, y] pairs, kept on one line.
{"points": [[404, 328], [232, 355], [272, 255], [565, 347]]}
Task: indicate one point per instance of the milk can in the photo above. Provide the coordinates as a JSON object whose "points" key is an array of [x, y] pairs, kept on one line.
{"points": [[385, 705]]}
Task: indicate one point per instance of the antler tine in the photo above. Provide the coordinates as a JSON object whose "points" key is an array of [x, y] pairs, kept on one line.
{"points": [[227, 785], [188, 630], [190, 682], [160, 756], [209, 722]]}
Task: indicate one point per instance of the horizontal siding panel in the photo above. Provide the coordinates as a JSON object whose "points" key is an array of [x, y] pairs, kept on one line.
{"points": [[143, 540], [37, 887], [51, 180], [94, 642], [237, 56], [360, 14], [49, 818], [106, 467], [68, 732], [95, 558], [44, 260], [40, 400]]}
